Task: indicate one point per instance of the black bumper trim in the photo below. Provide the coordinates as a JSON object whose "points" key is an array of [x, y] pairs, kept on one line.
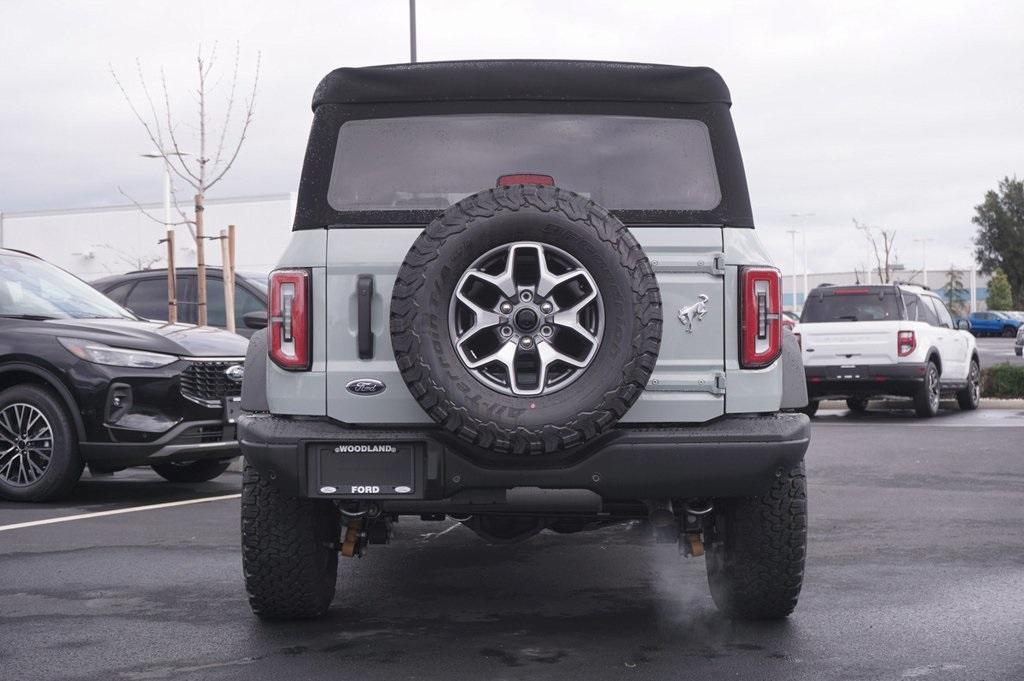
{"points": [[864, 380], [731, 456], [169, 447]]}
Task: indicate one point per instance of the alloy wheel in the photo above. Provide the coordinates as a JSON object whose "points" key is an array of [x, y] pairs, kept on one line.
{"points": [[526, 319], [26, 444]]}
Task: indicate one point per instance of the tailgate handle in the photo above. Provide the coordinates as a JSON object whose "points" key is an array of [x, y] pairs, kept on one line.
{"points": [[364, 290]]}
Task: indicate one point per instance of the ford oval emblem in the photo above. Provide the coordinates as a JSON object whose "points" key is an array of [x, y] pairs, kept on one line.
{"points": [[235, 373], [365, 386]]}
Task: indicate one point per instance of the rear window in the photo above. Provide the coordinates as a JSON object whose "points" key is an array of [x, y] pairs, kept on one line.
{"points": [[431, 162], [851, 305]]}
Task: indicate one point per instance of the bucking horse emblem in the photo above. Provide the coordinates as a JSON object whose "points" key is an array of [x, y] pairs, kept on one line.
{"points": [[694, 312]]}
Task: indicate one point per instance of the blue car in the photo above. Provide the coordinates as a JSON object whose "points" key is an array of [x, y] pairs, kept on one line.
{"points": [[994, 324]]}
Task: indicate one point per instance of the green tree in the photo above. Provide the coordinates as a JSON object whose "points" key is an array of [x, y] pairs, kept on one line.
{"points": [[999, 292], [954, 291], [999, 243]]}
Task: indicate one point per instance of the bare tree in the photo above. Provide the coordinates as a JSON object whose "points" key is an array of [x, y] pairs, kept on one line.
{"points": [[882, 242], [218, 150], [132, 258]]}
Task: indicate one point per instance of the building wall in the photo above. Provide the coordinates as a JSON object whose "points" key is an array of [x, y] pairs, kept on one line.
{"points": [[96, 242]]}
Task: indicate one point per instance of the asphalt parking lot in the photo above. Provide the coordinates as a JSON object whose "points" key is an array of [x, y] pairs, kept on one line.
{"points": [[915, 570], [996, 350]]}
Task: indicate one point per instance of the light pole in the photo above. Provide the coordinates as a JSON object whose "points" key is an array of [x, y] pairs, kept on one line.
{"points": [[792, 234], [803, 238], [924, 260], [412, 31], [867, 235], [167, 179]]}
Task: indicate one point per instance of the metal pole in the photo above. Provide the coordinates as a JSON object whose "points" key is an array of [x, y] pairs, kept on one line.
{"points": [[792, 234], [974, 289], [167, 194], [412, 31], [803, 235]]}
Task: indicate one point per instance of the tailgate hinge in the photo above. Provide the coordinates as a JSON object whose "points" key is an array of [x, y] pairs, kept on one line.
{"points": [[703, 263], [678, 382]]}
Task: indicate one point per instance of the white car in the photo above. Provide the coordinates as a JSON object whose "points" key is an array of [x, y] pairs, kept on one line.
{"points": [[864, 342]]}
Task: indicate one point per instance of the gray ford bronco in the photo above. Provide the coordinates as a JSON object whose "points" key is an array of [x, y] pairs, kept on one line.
{"points": [[527, 296]]}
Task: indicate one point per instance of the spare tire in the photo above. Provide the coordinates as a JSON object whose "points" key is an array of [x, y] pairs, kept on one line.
{"points": [[526, 319]]}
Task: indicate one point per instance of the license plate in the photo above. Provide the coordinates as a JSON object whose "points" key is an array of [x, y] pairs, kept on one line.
{"points": [[232, 409], [366, 469]]}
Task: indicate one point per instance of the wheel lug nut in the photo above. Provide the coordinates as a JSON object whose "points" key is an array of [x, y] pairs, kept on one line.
{"points": [[545, 331], [526, 296], [506, 332], [505, 307], [527, 342], [546, 307]]}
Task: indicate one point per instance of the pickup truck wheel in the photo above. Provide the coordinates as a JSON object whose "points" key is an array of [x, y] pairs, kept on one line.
{"points": [[970, 396], [526, 320], [39, 459], [289, 551], [756, 564], [926, 399], [857, 405], [191, 471]]}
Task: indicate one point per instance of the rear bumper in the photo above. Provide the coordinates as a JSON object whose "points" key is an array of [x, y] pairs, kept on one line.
{"points": [[866, 380], [731, 456]]}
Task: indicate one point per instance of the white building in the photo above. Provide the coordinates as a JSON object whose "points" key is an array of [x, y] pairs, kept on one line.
{"points": [[96, 242]]}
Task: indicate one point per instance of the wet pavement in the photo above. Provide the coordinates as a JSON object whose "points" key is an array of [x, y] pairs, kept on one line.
{"points": [[915, 570]]}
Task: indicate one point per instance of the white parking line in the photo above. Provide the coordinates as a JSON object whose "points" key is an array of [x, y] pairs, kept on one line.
{"points": [[119, 511]]}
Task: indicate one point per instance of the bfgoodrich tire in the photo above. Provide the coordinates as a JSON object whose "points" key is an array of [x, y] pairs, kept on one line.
{"points": [[289, 551], [756, 564], [40, 459], [193, 471], [557, 224]]}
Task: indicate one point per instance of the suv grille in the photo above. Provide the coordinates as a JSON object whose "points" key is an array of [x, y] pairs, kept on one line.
{"points": [[206, 382]]}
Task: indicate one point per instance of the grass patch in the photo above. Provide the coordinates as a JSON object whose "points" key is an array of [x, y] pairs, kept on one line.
{"points": [[1003, 380]]}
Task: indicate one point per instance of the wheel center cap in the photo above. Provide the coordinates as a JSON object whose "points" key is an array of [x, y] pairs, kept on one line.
{"points": [[526, 320]]}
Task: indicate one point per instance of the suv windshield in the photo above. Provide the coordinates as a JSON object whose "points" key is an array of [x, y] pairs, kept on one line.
{"points": [[851, 305], [431, 162], [34, 288]]}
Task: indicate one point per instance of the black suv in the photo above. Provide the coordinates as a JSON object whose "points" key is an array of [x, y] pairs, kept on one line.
{"points": [[527, 295], [144, 292], [85, 381]]}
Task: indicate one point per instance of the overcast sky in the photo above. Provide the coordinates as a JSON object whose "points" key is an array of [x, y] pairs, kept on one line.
{"points": [[900, 114]]}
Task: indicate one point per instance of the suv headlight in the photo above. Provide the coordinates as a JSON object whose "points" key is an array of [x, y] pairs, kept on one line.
{"points": [[100, 353]]}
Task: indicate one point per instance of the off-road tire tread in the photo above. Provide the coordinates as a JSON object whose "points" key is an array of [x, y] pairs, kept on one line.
{"points": [[289, 550], [592, 419], [756, 571]]}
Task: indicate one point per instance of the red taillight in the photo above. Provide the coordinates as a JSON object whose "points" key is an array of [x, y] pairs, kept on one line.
{"points": [[289, 319], [525, 178], [851, 291], [906, 343], [760, 317]]}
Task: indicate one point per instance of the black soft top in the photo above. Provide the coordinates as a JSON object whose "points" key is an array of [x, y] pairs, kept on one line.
{"points": [[522, 79]]}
